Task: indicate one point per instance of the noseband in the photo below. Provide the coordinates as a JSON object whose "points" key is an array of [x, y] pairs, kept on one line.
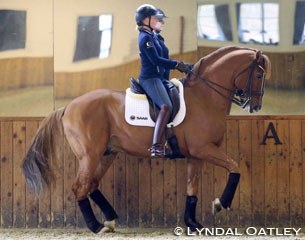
{"points": [[241, 97]]}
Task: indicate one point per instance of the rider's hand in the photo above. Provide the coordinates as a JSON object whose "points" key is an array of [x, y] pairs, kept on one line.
{"points": [[184, 67]]}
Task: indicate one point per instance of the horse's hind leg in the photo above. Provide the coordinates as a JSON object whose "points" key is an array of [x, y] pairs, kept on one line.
{"points": [[97, 196], [82, 187], [193, 171]]}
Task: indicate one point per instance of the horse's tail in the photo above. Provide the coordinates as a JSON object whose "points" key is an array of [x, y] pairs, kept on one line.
{"points": [[36, 164]]}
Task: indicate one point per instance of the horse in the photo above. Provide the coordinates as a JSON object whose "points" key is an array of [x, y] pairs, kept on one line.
{"points": [[96, 131]]}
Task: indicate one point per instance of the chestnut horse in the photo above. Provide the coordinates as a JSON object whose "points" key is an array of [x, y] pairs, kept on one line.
{"points": [[96, 131]]}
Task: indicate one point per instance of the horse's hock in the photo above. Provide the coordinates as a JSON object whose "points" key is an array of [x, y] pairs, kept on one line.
{"points": [[151, 192]]}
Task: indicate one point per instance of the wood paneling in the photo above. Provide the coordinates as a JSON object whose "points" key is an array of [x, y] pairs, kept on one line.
{"points": [[26, 72], [73, 84], [151, 192]]}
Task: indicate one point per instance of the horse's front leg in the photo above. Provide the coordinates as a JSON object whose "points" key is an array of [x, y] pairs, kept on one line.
{"points": [[214, 155], [193, 171]]}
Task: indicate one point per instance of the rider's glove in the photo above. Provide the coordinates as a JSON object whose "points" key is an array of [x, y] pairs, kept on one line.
{"points": [[184, 67]]}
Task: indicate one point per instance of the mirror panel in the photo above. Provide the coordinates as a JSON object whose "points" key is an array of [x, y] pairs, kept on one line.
{"points": [[26, 58], [257, 25], [97, 47]]}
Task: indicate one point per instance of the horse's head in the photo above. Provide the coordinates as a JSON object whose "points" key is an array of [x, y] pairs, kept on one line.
{"points": [[249, 83], [245, 70]]}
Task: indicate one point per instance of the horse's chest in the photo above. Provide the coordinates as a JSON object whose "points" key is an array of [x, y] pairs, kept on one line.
{"points": [[213, 128]]}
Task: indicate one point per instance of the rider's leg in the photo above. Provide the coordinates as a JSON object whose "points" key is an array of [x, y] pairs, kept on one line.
{"points": [[157, 92], [157, 149]]}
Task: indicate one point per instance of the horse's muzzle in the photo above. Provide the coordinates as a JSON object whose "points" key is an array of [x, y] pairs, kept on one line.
{"points": [[255, 108]]}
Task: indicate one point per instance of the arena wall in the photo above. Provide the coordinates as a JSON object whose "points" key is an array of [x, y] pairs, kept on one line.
{"points": [[23, 72], [73, 84], [151, 192]]}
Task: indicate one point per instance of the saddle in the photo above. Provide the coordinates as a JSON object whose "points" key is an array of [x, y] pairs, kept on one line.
{"points": [[154, 110], [173, 93]]}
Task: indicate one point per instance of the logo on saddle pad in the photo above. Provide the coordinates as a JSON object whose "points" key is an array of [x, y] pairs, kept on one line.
{"points": [[137, 108], [132, 117]]}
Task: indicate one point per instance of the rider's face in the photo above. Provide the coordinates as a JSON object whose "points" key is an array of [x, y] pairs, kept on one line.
{"points": [[157, 24]]}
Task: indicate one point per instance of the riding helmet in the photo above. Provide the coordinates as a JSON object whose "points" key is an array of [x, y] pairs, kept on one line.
{"points": [[146, 10], [160, 14]]}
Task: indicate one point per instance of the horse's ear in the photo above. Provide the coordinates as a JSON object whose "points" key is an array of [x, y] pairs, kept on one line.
{"points": [[258, 56], [267, 66], [264, 60]]}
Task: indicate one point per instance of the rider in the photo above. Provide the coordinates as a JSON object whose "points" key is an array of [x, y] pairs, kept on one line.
{"points": [[161, 16], [155, 66]]}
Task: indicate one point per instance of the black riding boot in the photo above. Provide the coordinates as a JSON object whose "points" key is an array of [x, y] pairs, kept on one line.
{"points": [[190, 213], [157, 149]]}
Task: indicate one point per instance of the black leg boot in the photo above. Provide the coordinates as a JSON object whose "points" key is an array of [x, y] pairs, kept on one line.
{"points": [[190, 213], [90, 219], [104, 205], [106, 208], [228, 194], [157, 149]]}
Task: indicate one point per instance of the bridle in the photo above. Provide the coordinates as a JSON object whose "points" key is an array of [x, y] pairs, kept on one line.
{"points": [[241, 97]]}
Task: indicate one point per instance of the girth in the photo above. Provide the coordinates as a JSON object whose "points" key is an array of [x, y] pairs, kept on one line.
{"points": [[173, 94]]}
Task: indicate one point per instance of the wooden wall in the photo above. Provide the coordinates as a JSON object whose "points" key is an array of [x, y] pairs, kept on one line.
{"points": [[73, 84], [26, 72], [288, 69], [151, 193]]}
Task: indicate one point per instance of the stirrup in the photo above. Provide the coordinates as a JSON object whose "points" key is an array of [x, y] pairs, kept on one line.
{"points": [[157, 150]]}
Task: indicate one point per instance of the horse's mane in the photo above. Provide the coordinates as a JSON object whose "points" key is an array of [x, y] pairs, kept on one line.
{"points": [[223, 51], [219, 53]]}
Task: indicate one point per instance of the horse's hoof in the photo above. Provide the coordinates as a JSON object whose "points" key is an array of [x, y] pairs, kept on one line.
{"points": [[104, 230], [110, 224], [216, 206]]}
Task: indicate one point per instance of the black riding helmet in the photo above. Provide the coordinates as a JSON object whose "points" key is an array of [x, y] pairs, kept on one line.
{"points": [[147, 10], [161, 14]]}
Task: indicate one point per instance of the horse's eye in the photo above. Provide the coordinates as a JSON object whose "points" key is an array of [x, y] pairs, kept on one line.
{"points": [[260, 76]]}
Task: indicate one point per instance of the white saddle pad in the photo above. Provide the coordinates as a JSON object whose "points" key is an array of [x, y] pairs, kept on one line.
{"points": [[137, 108]]}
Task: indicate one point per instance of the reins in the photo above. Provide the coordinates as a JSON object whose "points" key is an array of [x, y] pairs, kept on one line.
{"points": [[238, 101]]}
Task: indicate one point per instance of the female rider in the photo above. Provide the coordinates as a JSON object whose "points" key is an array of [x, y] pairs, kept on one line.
{"points": [[155, 66]]}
